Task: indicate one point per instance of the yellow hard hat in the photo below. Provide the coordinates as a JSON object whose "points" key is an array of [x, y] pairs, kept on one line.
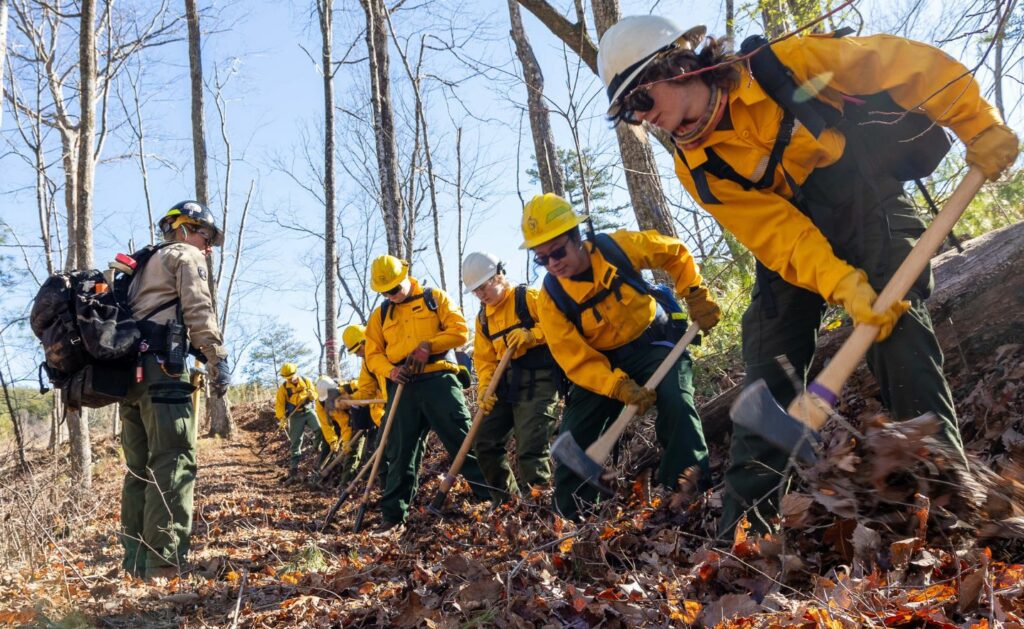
{"points": [[288, 370], [545, 217], [353, 335], [387, 272]]}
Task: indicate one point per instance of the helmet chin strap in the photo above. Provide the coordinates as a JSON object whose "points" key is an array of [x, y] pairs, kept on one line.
{"points": [[707, 123]]}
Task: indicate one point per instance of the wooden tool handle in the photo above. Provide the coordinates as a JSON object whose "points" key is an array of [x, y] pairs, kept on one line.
{"points": [[813, 409], [600, 450], [350, 402], [379, 453], [467, 443]]}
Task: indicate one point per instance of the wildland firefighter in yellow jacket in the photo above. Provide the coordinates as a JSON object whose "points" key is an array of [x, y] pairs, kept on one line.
{"points": [[609, 330], [356, 425], [410, 340], [526, 396], [787, 150], [294, 411]]}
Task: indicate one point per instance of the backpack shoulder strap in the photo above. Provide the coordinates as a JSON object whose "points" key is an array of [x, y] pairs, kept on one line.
{"points": [[522, 309], [565, 304], [385, 306], [429, 300], [481, 317], [614, 254]]}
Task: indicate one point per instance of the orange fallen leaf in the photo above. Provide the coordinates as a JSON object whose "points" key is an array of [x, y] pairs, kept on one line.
{"points": [[566, 544]]}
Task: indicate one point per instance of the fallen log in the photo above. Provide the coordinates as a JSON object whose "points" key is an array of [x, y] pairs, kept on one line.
{"points": [[977, 306]]}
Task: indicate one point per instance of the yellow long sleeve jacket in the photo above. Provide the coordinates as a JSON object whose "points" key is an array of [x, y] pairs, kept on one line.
{"points": [[291, 395], [501, 316], [408, 324], [336, 415], [621, 321], [371, 387], [914, 74]]}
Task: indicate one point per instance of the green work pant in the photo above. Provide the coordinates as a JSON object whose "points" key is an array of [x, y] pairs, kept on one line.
{"points": [[677, 427], [532, 418], [871, 225], [430, 402], [297, 424], [355, 455], [158, 437]]}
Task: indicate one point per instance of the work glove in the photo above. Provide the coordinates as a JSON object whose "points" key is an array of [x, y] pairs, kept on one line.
{"points": [[335, 445], [282, 422], [359, 418], [220, 377], [417, 360], [520, 337], [702, 308], [993, 150], [487, 403], [856, 296], [629, 392], [399, 375]]}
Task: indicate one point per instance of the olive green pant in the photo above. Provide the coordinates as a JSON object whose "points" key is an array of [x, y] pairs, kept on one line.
{"points": [[297, 424], [871, 225], [677, 427], [430, 402], [531, 417], [158, 437], [355, 455]]}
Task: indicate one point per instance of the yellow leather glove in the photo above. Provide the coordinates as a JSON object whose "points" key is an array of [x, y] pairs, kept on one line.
{"points": [[282, 423], [856, 296], [702, 308], [335, 445], [993, 150], [486, 404], [520, 337], [629, 392]]}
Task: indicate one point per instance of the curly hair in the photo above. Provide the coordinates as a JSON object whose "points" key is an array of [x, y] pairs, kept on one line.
{"points": [[677, 62]]}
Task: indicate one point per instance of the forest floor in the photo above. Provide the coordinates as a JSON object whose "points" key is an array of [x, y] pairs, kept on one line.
{"points": [[859, 547]]}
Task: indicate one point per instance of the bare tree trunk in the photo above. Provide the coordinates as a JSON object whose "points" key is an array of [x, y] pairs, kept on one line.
{"points": [[324, 9], [730, 22], [548, 170], [78, 420], [218, 412], [458, 206], [3, 55], [997, 63], [384, 126], [69, 159], [16, 420]]}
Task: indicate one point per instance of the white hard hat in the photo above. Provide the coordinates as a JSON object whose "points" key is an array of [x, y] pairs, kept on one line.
{"points": [[477, 268], [632, 43], [323, 385]]}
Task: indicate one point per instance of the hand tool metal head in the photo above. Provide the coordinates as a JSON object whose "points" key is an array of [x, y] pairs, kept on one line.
{"points": [[756, 410], [568, 453]]}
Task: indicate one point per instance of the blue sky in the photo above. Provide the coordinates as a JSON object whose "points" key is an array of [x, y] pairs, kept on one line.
{"points": [[274, 102]]}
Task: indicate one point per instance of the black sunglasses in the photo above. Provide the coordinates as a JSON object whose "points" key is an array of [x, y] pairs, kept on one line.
{"points": [[392, 291], [554, 254], [637, 99]]}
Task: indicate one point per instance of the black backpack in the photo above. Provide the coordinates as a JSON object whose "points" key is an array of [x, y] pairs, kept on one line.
{"points": [[89, 335], [905, 145], [427, 296], [522, 313], [627, 274]]}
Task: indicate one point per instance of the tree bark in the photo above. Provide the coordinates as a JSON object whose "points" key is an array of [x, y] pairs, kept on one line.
{"points": [[218, 411], [78, 420], [975, 308], [545, 151], [391, 204], [3, 55], [324, 10]]}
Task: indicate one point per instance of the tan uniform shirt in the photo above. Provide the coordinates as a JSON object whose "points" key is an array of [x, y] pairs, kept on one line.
{"points": [[179, 270]]}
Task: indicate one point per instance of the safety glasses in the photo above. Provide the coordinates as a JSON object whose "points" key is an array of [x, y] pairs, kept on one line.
{"points": [[392, 291], [207, 235], [554, 254], [636, 100]]}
